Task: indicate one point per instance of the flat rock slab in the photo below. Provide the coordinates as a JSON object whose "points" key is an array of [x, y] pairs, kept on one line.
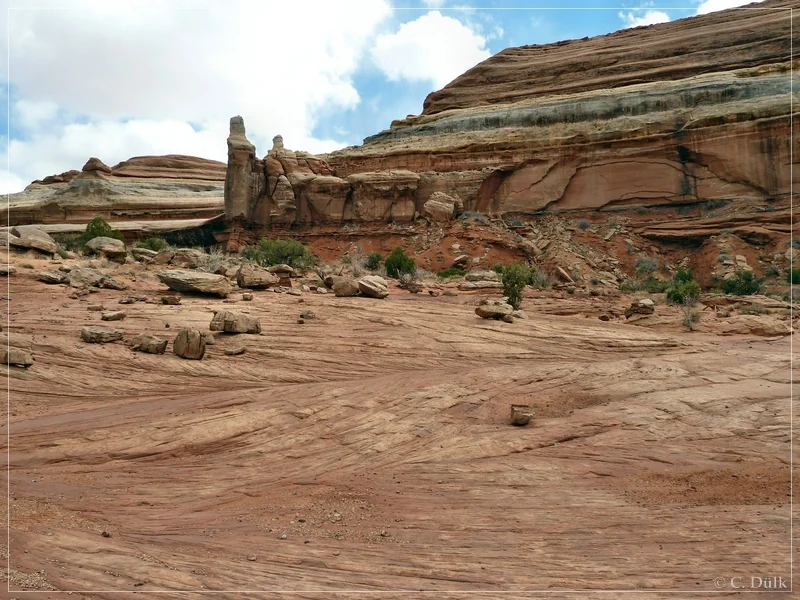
{"points": [[16, 357], [195, 282], [234, 350], [97, 334]]}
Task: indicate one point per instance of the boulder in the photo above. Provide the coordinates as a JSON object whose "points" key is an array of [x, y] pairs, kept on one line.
{"points": [[195, 282], [7, 269], [645, 306], [330, 280], [345, 287], [82, 277], [439, 207], [460, 261], [109, 247], [494, 309], [171, 300], [30, 236], [113, 315], [373, 286], [282, 270], [163, 258], [16, 357], [6, 238], [255, 277], [96, 334], [53, 276], [233, 322], [188, 258], [521, 414], [149, 344], [189, 344], [112, 283], [144, 255]]}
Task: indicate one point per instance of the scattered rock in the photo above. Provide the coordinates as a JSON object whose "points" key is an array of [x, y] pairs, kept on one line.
{"points": [[345, 287], [171, 300], [96, 334], [7, 269], [111, 248], [84, 277], [494, 309], [645, 306], [209, 339], [482, 276], [521, 414], [189, 344], [564, 275], [373, 286], [247, 296], [255, 277], [480, 285], [605, 318], [30, 236], [113, 315], [163, 257], [460, 261], [309, 314], [144, 255], [95, 307], [112, 283], [16, 357], [53, 277], [149, 344], [234, 350], [233, 322], [519, 314], [188, 258], [283, 270], [195, 281]]}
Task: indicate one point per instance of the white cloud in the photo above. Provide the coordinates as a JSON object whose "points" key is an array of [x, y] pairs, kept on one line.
{"points": [[635, 18], [140, 72], [434, 3], [714, 5], [431, 48]]}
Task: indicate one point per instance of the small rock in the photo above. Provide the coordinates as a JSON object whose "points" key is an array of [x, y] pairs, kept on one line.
{"points": [[53, 277], [247, 296], [301, 321], [232, 322], [15, 357], [251, 557], [149, 344], [96, 334], [521, 414], [114, 315], [7, 269], [209, 339], [171, 300], [234, 350], [95, 307], [189, 344]]}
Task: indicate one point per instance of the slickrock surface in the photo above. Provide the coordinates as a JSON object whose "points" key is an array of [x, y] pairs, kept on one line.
{"points": [[370, 449]]}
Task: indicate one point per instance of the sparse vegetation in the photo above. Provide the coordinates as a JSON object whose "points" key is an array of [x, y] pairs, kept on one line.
{"points": [[97, 227], [68, 241], [743, 283], [451, 273], [61, 252], [276, 252], [583, 224], [690, 316], [156, 244], [754, 309], [374, 260], [514, 279], [398, 263], [649, 284], [646, 265], [212, 260], [793, 276], [682, 292], [539, 279], [498, 268]]}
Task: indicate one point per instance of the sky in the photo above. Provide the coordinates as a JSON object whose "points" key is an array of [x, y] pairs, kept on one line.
{"points": [[130, 78]]}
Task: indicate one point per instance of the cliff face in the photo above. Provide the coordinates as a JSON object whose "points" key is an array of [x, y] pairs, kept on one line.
{"points": [[673, 114]]}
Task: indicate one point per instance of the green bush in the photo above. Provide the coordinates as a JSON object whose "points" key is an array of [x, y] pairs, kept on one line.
{"points": [[743, 283], [583, 224], [280, 252], [683, 276], [688, 291], [539, 279], [451, 272], [514, 279], [68, 241], [398, 264], [754, 309], [498, 268], [156, 244], [793, 276], [97, 227], [374, 261]]}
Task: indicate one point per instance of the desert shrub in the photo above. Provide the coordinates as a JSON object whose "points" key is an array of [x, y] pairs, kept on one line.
{"points": [[795, 243], [646, 265], [156, 244], [539, 279], [374, 260], [451, 272], [514, 279], [570, 290], [690, 316], [754, 309], [68, 241], [683, 276], [212, 260], [397, 264], [793, 276], [595, 281], [498, 268], [583, 224], [743, 283], [277, 252], [61, 252], [683, 292], [97, 227]]}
